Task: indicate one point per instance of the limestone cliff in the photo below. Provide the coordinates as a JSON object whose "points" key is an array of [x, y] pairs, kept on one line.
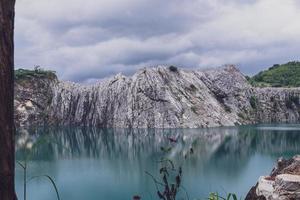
{"points": [[159, 97]]}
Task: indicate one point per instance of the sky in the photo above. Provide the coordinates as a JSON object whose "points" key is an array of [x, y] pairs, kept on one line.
{"points": [[84, 40]]}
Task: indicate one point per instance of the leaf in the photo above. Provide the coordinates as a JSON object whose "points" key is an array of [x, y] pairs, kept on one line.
{"points": [[23, 166], [231, 195], [52, 182]]}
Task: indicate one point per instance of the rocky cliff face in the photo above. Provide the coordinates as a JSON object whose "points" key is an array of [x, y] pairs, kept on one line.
{"points": [[159, 97], [33, 97]]}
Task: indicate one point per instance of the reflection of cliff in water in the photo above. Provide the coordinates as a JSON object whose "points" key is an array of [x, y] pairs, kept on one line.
{"points": [[114, 143], [250, 140], [230, 148], [236, 150]]}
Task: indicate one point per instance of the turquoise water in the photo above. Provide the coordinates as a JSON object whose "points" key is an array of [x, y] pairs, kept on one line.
{"points": [[110, 164]]}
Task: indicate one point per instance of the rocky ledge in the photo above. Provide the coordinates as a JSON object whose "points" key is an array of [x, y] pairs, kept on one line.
{"points": [[158, 97], [282, 184]]}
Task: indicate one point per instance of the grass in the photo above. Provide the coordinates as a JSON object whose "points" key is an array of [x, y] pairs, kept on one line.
{"points": [[169, 184], [24, 165], [215, 196]]}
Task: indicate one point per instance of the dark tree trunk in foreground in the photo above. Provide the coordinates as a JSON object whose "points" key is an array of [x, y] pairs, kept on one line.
{"points": [[7, 150]]}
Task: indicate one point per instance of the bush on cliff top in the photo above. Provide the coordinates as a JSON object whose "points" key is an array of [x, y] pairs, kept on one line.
{"points": [[285, 75], [36, 72], [173, 68]]}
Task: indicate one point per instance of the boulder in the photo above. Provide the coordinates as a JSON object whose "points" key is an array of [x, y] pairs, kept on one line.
{"points": [[282, 184]]}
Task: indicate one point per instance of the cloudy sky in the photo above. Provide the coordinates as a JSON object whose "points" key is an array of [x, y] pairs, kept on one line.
{"points": [[88, 39]]}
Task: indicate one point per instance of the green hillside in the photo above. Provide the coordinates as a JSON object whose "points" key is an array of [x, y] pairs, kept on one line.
{"points": [[285, 75]]}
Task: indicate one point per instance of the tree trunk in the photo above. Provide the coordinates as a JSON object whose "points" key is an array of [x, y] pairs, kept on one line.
{"points": [[7, 146]]}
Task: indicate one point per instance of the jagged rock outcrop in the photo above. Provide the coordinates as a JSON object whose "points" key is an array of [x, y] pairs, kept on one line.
{"points": [[155, 98], [282, 184], [33, 96]]}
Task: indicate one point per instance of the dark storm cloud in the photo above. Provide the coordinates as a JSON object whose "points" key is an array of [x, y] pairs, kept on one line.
{"points": [[85, 40]]}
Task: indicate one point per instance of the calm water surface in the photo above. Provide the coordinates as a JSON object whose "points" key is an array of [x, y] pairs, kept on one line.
{"points": [[110, 164]]}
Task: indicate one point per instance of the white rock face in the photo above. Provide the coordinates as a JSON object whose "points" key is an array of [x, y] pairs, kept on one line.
{"points": [[265, 187], [286, 186], [282, 184], [155, 98]]}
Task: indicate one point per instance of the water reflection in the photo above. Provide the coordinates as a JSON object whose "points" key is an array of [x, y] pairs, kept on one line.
{"points": [[222, 158]]}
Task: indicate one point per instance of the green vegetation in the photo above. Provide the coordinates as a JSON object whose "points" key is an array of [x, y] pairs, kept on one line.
{"points": [[227, 108], [285, 75], [173, 68], [28, 149], [194, 109], [36, 72], [292, 100], [215, 196], [193, 88], [241, 115], [169, 184], [253, 102]]}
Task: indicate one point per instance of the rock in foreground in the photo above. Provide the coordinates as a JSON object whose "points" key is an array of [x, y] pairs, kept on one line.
{"points": [[282, 184]]}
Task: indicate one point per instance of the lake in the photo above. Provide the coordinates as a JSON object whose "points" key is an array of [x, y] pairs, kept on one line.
{"points": [[111, 164]]}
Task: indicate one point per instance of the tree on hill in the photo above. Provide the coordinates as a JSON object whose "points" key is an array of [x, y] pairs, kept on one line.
{"points": [[285, 75]]}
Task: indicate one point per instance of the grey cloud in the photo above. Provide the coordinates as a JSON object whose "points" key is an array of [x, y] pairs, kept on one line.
{"points": [[86, 40]]}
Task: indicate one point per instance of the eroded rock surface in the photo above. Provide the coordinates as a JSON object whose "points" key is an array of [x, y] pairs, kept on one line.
{"points": [[282, 184], [155, 98]]}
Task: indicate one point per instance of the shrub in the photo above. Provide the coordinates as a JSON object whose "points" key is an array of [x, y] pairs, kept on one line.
{"points": [[192, 88], [274, 66], [289, 103], [277, 85], [292, 99], [37, 72], [194, 109], [227, 108], [241, 115], [173, 68], [253, 102], [295, 99]]}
